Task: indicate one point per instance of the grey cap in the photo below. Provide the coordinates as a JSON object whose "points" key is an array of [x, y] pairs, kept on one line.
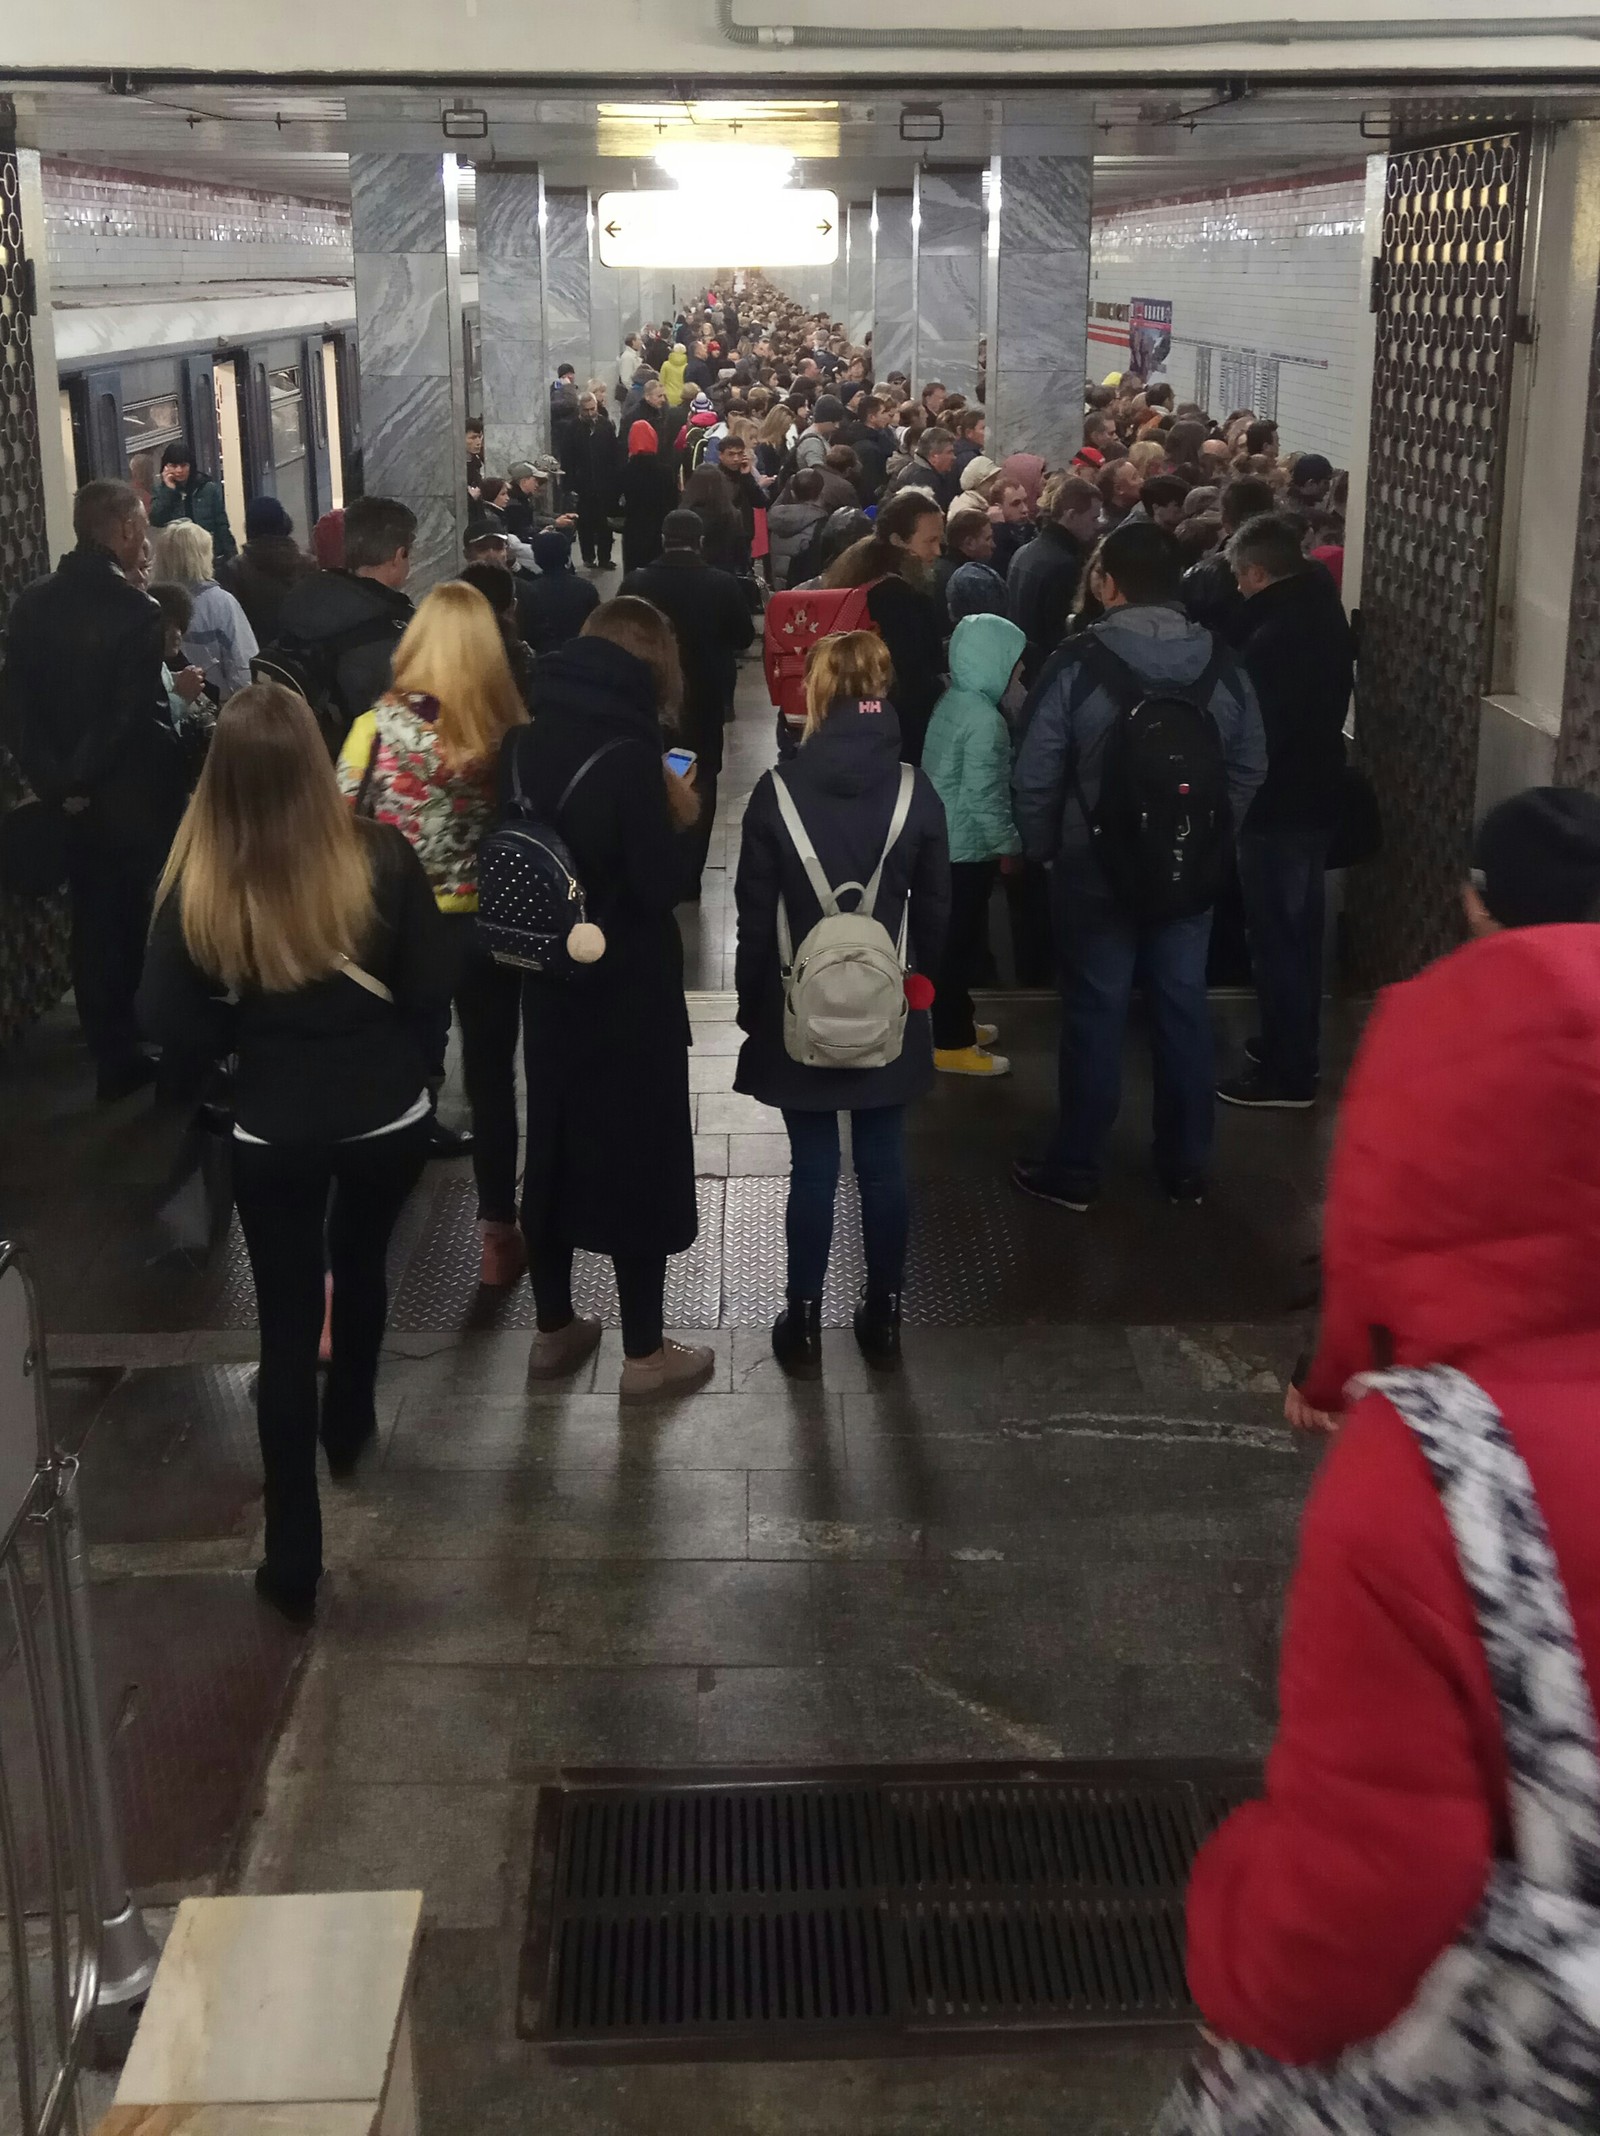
{"points": [[519, 471]]}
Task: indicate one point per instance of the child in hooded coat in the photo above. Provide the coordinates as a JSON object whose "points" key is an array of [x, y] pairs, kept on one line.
{"points": [[967, 755]]}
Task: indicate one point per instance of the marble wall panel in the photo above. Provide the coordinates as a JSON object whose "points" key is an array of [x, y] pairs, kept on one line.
{"points": [[409, 356], [511, 317], [567, 282], [894, 293], [1042, 309], [858, 270]]}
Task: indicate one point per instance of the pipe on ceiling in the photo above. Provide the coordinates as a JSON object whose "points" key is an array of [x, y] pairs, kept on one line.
{"points": [[793, 37]]}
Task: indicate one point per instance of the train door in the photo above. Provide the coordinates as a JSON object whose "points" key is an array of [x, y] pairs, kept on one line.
{"points": [[292, 474], [230, 442], [319, 456], [104, 452]]}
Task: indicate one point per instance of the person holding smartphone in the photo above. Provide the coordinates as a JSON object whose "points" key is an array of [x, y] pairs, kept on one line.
{"points": [[609, 1160], [712, 624]]}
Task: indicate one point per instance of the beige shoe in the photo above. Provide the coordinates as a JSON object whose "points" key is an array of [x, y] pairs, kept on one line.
{"points": [[559, 1355], [675, 1369]]}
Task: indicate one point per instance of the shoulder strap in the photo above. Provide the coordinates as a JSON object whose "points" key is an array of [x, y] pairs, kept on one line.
{"points": [[800, 839], [617, 741], [897, 823], [364, 789], [363, 978], [1524, 1620]]}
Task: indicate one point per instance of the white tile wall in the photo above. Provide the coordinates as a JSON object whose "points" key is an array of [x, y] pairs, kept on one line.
{"points": [[1266, 289], [118, 230]]}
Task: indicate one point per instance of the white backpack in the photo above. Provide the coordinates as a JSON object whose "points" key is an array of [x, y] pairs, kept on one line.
{"points": [[844, 990]]}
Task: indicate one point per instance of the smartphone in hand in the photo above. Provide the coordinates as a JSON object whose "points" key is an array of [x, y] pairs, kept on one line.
{"points": [[680, 762]]}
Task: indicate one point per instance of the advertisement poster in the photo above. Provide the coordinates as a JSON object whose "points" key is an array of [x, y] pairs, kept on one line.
{"points": [[1149, 335]]}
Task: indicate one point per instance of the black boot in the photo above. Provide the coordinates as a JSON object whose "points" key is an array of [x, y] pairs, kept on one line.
{"points": [[878, 1329], [797, 1338]]}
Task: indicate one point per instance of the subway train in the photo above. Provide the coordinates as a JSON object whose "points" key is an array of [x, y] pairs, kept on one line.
{"points": [[272, 411]]}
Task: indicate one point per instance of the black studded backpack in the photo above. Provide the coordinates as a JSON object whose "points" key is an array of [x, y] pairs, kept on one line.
{"points": [[532, 912]]}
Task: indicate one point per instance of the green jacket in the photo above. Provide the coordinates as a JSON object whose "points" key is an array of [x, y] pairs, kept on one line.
{"points": [[199, 499], [967, 754]]}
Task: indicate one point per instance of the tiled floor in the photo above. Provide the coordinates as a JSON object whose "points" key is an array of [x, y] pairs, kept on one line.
{"points": [[1063, 1530]]}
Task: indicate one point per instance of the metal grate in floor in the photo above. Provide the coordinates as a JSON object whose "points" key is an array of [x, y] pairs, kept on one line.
{"points": [[810, 1914]]}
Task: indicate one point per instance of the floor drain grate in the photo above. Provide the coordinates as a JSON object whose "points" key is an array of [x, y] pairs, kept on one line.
{"points": [[813, 1914]]}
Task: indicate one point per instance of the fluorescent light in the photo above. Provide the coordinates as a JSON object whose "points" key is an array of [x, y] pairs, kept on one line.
{"points": [[700, 167]]}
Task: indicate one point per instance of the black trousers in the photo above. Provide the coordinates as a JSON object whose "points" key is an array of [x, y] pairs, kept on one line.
{"points": [[488, 1002], [290, 1197], [1033, 948], [641, 1281], [971, 885], [594, 533], [112, 890]]}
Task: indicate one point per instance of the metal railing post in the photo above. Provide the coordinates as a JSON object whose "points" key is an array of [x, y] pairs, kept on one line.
{"points": [[128, 1952]]}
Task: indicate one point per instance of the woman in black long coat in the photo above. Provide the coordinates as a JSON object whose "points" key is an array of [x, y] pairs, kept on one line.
{"points": [[845, 782], [609, 1163], [649, 493], [591, 466]]}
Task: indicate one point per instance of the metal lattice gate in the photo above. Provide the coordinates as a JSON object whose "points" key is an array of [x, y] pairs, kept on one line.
{"points": [[1578, 753], [32, 931], [1445, 293]]}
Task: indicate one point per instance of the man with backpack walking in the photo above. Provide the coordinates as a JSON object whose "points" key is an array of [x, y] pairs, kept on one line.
{"points": [[1143, 748], [337, 630]]}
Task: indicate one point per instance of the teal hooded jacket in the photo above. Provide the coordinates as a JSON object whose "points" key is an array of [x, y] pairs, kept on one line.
{"points": [[967, 754]]}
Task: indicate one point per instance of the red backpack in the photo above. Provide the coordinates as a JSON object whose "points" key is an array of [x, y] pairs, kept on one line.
{"points": [[795, 623]]}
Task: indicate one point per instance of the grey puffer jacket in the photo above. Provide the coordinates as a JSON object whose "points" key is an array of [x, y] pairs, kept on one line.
{"points": [[1058, 766]]}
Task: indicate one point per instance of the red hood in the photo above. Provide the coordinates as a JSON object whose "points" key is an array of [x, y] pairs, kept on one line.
{"points": [[1464, 1200]]}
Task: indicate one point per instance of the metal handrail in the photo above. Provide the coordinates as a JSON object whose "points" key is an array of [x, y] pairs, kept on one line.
{"points": [[101, 1956]]}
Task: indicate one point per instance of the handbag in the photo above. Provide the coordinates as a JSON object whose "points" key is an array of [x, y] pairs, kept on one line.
{"points": [[33, 849], [196, 1205], [1503, 2036], [1357, 823]]}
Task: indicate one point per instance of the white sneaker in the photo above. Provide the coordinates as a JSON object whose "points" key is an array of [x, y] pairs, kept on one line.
{"points": [[985, 1034]]}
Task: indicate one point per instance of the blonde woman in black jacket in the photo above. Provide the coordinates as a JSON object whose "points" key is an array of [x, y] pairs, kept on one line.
{"points": [[305, 942]]}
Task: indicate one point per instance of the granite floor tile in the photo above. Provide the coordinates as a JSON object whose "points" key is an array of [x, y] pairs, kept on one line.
{"points": [[600, 1716], [794, 1426], [673, 1613], [461, 1611], [365, 1720], [555, 1512]]}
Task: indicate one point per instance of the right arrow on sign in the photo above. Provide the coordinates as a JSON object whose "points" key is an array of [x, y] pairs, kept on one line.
{"points": [[825, 227]]}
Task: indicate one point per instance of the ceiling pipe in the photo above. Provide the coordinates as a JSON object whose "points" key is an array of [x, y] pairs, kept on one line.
{"points": [[797, 37]]}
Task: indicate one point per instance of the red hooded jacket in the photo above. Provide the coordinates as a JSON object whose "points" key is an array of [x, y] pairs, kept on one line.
{"points": [[1463, 1225]]}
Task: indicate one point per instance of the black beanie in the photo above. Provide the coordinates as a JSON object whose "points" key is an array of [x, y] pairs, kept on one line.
{"points": [[1536, 858]]}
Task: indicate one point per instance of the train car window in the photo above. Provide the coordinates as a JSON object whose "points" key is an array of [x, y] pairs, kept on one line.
{"points": [[287, 404], [147, 425]]}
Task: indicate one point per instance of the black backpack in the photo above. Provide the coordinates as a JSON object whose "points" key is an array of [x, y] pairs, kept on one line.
{"points": [[529, 895], [1162, 828], [312, 670]]}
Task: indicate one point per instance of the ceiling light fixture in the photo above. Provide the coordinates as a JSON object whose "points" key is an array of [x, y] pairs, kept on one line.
{"points": [[706, 168]]}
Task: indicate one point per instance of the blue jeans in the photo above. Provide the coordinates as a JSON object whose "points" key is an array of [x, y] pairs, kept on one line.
{"points": [[878, 1144], [1282, 882], [1103, 953]]}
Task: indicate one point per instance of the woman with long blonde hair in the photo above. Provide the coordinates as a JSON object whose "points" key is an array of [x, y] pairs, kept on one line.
{"points": [[305, 944], [845, 783], [424, 760], [219, 639]]}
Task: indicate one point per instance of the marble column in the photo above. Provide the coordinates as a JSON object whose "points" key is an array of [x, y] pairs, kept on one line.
{"points": [[1041, 325], [605, 317], [567, 280], [516, 395], [893, 296], [949, 228], [413, 399], [858, 270]]}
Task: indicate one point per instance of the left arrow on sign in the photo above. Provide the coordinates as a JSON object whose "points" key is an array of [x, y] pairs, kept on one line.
{"points": [[613, 229]]}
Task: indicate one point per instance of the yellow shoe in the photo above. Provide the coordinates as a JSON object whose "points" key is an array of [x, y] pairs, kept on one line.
{"points": [[969, 1060], [985, 1034]]}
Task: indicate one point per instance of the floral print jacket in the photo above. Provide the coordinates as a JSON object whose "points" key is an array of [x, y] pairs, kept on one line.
{"points": [[393, 767]]}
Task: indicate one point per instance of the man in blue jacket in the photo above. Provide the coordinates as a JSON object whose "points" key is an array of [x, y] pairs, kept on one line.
{"points": [[1100, 943]]}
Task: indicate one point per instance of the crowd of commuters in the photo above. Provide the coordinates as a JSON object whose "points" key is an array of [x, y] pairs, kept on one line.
{"points": [[1112, 685]]}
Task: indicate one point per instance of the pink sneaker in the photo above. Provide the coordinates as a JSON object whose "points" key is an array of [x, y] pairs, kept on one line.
{"points": [[505, 1255]]}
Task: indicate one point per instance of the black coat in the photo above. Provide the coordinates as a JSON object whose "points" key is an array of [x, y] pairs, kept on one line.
{"points": [[260, 576], [1041, 586], [85, 706], [911, 625], [552, 607], [874, 449], [844, 781], [591, 464], [712, 621], [359, 621], [610, 1148], [1211, 597], [1296, 646], [649, 492]]}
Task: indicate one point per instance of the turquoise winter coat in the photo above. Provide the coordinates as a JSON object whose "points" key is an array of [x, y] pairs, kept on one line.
{"points": [[967, 754]]}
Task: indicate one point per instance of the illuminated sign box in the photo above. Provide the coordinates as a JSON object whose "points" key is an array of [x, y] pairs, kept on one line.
{"points": [[786, 228]]}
